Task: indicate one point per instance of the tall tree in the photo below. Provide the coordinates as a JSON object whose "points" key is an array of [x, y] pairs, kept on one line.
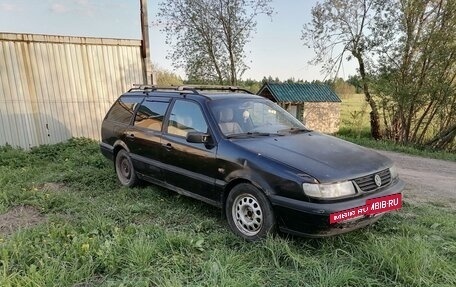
{"points": [[344, 28], [417, 72], [208, 37]]}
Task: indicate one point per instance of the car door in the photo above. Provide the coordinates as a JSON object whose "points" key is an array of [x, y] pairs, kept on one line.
{"points": [[145, 137], [189, 166]]}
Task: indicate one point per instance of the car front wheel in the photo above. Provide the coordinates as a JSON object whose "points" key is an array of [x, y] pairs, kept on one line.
{"points": [[249, 212], [125, 170]]}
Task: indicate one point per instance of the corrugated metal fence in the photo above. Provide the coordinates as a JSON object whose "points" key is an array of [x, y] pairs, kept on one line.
{"points": [[55, 87]]}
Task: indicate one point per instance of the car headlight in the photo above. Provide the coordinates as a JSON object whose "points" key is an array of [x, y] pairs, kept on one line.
{"points": [[393, 172], [329, 190]]}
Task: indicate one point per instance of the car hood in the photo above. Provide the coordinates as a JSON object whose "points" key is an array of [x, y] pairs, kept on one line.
{"points": [[326, 158]]}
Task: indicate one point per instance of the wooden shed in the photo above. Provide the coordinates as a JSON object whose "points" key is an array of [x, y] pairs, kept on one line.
{"points": [[316, 105]]}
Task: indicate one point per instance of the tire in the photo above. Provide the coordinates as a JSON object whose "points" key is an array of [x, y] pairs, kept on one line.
{"points": [[249, 212], [124, 169]]}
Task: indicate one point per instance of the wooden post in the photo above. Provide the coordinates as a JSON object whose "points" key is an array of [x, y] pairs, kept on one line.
{"points": [[145, 50]]}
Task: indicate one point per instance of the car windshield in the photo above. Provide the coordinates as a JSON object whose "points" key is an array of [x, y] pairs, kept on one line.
{"points": [[239, 117]]}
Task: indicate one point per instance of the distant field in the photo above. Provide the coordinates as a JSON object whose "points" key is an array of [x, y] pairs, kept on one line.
{"points": [[354, 115]]}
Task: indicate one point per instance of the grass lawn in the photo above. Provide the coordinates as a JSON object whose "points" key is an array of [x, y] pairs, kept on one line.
{"points": [[65, 221]]}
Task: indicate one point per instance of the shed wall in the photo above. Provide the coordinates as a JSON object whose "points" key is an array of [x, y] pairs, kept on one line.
{"points": [[53, 88], [323, 117]]}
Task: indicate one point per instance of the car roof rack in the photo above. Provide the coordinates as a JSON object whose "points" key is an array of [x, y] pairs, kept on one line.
{"points": [[190, 88], [218, 88]]}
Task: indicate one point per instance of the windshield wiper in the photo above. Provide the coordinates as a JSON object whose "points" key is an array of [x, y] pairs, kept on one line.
{"points": [[294, 130], [248, 134], [258, 134]]}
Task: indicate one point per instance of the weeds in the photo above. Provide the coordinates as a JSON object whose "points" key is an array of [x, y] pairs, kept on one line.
{"points": [[97, 233]]}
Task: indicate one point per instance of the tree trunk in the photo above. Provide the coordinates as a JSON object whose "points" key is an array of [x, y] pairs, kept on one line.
{"points": [[233, 77], [443, 139], [217, 68], [374, 117], [427, 125], [420, 120], [229, 41]]}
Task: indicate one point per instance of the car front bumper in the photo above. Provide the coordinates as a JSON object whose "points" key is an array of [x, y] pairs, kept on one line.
{"points": [[312, 219]]}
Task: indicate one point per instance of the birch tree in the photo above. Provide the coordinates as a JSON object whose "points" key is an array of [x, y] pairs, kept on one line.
{"points": [[344, 29], [208, 37]]}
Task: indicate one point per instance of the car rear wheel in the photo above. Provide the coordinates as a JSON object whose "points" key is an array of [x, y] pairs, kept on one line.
{"points": [[249, 212], [125, 170]]}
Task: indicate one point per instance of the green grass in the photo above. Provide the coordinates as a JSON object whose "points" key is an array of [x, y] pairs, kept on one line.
{"points": [[391, 146], [97, 233], [355, 127]]}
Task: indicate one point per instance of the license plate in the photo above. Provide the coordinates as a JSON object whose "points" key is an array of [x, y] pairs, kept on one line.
{"points": [[373, 206]]}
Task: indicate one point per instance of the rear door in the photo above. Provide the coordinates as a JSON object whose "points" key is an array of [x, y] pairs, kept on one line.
{"points": [[145, 137], [189, 166]]}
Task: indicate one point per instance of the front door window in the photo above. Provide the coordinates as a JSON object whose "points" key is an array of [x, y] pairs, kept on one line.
{"points": [[186, 117]]}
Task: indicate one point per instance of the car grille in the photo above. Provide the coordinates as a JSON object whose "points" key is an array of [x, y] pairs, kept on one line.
{"points": [[367, 183]]}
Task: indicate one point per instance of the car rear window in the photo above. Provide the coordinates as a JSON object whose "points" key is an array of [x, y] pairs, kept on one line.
{"points": [[122, 110]]}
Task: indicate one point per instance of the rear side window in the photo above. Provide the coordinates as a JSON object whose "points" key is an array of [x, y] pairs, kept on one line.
{"points": [[122, 110], [150, 115]]}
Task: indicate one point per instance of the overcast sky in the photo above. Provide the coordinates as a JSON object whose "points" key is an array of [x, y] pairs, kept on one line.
{"points": [[276, 48]]}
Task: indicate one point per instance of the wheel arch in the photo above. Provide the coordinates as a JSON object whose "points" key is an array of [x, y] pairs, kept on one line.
{"points": [[235, 182], [118, 145]]}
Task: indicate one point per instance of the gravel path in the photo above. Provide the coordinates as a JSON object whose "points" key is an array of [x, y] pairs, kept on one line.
{"points": [[428, 180]]}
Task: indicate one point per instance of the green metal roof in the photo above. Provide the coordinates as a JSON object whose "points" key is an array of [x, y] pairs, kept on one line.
{"points": [[305, 92]]}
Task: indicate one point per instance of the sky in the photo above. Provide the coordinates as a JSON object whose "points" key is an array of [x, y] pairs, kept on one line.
{"points": [[276, 49]]}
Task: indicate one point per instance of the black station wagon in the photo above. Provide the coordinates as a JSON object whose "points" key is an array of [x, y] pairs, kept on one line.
{"points": [[248, 156]]}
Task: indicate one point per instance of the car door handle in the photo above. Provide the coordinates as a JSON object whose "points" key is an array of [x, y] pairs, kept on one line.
{"points": [[168, 146]]}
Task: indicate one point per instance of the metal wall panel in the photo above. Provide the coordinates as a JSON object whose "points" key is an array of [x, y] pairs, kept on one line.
{"points": [[53, 88]]}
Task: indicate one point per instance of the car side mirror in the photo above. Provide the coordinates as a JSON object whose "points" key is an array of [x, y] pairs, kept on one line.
{"points": [[198, 137]]}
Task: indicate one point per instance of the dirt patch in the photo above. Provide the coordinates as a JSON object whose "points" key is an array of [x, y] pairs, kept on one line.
{"points": [[19, 217], [428, 180]]}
